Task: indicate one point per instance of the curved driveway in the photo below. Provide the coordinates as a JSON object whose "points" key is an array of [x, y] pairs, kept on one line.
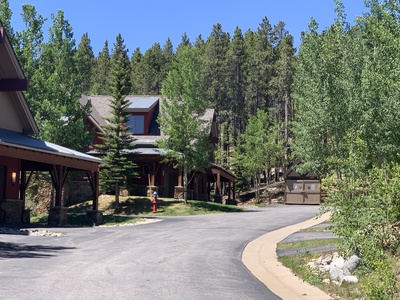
{"points": [[196, 257]]}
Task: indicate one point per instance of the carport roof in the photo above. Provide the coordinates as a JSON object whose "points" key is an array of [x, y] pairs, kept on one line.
{"points": [[26, 147]]}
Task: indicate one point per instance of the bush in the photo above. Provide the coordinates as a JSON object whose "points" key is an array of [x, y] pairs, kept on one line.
{"points": [[381, 284]]}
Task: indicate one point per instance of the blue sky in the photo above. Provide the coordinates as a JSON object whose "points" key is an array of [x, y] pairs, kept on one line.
{"points": [[143, 23]]}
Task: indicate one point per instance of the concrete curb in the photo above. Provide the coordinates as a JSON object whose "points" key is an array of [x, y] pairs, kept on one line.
{"points": [[260, 257]]}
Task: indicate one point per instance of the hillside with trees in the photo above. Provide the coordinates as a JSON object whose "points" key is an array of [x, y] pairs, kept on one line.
{"points": [[241, 74], [333, 103]]}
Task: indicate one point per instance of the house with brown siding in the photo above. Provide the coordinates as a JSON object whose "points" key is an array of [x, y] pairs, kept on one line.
{"points": [[21, 155], [154, 173]]}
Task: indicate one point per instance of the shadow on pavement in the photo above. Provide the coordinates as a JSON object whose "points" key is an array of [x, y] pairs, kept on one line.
{"points": [[15, 250]]}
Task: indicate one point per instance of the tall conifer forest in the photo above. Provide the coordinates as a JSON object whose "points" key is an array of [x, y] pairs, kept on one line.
{"points": [[332, 102]]}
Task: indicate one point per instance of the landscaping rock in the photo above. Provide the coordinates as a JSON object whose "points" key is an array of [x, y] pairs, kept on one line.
{"points": [[351, 265], [339, 269]]}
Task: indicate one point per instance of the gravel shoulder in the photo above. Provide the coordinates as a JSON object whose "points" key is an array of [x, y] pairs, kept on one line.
{"points": [[260, 257]]}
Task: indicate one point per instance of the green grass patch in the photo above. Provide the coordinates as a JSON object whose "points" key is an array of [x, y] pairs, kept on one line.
{"points": [[298, 265], [79, 219], [316, 229], [309, 243], [132, 208]]}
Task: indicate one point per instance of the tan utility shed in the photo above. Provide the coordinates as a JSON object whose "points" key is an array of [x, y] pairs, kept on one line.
{"points": [[301, 188]]}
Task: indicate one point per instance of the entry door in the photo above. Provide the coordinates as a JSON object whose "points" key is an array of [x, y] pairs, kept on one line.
{"points": [[3, 172], [170, 181]]}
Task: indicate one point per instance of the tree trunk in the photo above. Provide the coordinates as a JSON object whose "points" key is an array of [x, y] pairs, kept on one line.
{"points": [[185, 183], [286, 129], [116, 196]]}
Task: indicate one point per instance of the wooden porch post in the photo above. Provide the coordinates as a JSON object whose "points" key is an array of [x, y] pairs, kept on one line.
{"points": [[180, 178], [234, 190], [58, 214], [59, 175], [218, 186], [94, 216]]}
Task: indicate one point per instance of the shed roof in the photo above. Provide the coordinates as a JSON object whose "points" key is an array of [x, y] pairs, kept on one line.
{"points": [[142, 103]]}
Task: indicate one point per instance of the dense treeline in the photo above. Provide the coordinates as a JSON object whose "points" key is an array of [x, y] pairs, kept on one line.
{"points": [[241, 74]]}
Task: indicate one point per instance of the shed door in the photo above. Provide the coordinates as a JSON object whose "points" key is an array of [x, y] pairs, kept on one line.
{"points": [[303, 192]]}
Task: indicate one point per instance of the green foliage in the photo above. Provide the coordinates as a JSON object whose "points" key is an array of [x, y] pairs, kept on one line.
{"points": [[117, 141], [382, 283], [181, 113], [260, 148], [367, 213], [85, 62], [101, 70]]}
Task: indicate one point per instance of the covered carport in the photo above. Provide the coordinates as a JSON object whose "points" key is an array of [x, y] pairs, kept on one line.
{"points": [[26, 155], [219, 175]]}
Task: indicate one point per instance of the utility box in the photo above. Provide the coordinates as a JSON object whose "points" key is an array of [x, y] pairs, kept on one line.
{"points": [[301, 188]]}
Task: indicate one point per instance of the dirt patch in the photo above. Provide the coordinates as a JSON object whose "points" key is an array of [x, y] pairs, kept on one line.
{"points": [[271, 194]]}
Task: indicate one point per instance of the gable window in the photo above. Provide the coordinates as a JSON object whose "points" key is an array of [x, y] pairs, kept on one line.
{"points": [[137, 124]]}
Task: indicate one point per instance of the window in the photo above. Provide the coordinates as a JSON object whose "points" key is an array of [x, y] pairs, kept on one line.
{"points": [[137, 124]]}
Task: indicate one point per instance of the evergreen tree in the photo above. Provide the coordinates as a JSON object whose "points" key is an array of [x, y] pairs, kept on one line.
{"points": [[183, 105], [151, 64], [168, 57], [215, 71], [236, 61], [29, 49], [85, 62], [259, 149], [136, 75], [101, 71], [117, 140], [200, 45], [281, 86], [59, 115], [185, 42]]}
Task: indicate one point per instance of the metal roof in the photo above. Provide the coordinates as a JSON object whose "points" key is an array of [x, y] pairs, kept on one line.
{"points": [[20, 140], [142, 103]]}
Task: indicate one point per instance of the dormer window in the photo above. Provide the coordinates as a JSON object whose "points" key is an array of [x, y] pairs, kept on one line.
{"points": [[136, 124]]}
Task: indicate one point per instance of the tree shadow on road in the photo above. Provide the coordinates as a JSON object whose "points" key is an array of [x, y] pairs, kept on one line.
{"points": [[16, 250]]}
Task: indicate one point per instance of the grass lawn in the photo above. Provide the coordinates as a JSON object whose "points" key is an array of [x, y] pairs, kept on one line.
{"points": [[136, 209]]}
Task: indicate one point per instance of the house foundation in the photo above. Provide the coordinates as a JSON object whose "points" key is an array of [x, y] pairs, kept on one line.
{"points": [[11, 211], [58, 216], [94, 217]]}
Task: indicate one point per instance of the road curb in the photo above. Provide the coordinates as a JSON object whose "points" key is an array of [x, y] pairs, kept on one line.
{"points": [[260, 257]]}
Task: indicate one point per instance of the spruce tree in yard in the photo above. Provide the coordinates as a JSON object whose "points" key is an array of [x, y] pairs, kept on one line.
{"points": [[117, 141]]}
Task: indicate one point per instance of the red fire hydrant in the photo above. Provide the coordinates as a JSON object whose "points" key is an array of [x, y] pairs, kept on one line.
{"points": [[155, 196]]}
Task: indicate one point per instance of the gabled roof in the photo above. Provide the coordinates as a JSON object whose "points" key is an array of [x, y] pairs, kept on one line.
{"points": [[13, 82], [143, 103]]}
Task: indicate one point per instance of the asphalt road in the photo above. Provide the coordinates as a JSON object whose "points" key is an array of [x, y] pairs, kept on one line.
{"points": [[196, 257]]}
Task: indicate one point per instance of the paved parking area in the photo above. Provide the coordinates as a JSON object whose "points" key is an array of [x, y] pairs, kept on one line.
{"points": [[196, 257]]}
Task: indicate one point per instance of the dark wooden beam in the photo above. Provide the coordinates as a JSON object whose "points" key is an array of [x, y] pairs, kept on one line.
{"points": [[12, 85]]}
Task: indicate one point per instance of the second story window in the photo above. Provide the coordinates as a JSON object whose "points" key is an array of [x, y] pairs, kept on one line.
{"points": [[137, 124]]}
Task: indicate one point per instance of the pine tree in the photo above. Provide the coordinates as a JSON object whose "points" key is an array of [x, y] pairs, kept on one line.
{"points": [[151, 64], [85, 63], [117, 141], [136, 75], [100, 79]]}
